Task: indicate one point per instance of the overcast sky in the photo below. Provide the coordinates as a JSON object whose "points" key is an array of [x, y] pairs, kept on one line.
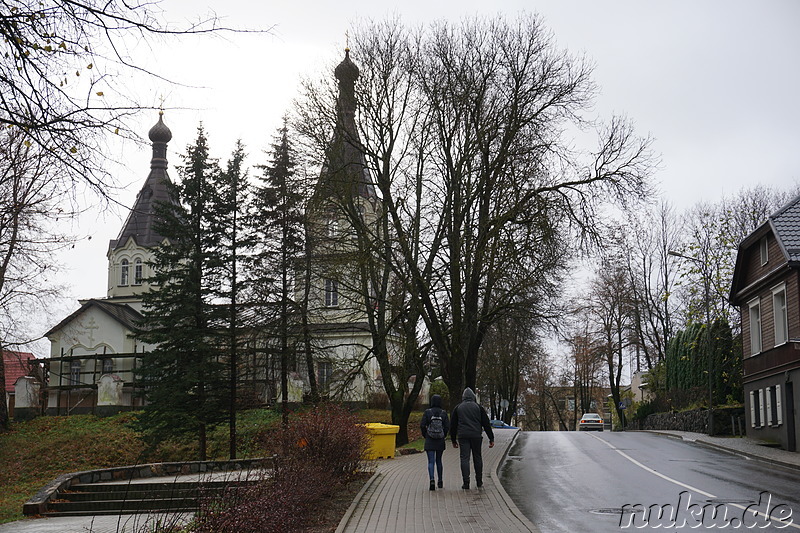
{"points": [[714, 82]]}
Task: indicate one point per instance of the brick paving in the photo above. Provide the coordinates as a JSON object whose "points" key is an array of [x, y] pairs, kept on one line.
{"points": [[397, 498]]}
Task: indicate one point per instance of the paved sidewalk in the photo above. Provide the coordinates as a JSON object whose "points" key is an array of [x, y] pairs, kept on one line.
{"points": [[746, 446], [397, 498]]}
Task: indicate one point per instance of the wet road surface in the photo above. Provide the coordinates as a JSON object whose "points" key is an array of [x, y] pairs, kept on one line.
{"points": [[598, 482]]}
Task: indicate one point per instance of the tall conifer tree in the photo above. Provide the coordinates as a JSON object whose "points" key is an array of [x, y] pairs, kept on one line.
{"points": [[184, 375], [281, 219]]}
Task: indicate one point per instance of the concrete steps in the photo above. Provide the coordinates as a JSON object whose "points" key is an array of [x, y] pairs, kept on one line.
{"points": [[129, 498]]}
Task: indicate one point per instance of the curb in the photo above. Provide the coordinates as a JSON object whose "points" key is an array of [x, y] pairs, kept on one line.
{"points": [[727, 449], [512, 507], [350, 510]]}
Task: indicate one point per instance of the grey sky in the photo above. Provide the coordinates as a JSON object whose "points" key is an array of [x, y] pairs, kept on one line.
{"points": [[714, 82]]}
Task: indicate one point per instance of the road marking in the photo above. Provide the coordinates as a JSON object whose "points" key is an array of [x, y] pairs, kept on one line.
{"points": [[686, 486]]}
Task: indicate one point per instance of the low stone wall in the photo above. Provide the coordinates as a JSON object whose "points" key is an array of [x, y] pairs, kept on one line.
{"points": [[696, 421], [38, 504]]}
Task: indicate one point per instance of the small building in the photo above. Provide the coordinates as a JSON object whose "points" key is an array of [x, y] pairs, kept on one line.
{"points": [[766, 288], [16, 365]]}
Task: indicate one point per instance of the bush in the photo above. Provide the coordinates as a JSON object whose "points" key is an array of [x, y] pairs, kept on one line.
{"points": [[321, 450]]}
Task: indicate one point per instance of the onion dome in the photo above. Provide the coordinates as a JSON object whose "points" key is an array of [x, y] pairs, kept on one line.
{"points": [[346, 71], [160, 133]]}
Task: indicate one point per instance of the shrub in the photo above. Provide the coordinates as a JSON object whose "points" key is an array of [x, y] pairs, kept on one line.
{"points": [[321, 450]]}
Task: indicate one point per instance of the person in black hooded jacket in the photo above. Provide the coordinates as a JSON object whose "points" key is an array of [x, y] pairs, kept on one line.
{"points": [[468, 420], [434, 448]]}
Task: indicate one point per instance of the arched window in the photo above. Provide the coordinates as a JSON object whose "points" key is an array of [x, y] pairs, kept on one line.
{"points": [[137, 272], [108, 366], [123, 275], [75, 372]]}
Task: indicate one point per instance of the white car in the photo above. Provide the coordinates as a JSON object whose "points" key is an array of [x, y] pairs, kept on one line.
{"points": [[590, 421]]}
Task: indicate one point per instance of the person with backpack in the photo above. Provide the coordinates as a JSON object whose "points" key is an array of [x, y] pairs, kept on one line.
{"points": [[468, 420], [435, 425]]}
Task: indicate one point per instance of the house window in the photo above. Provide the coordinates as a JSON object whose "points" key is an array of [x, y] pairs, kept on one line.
{"points": [[75, 372], [781, 319], [774, 414], [331, 293], [124, 272], [324, 371], [764, 250], [755, 327], [137, 272], [108, 366]]}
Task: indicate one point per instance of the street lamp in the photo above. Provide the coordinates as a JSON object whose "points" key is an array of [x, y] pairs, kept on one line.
{"points": [[706, 291]]}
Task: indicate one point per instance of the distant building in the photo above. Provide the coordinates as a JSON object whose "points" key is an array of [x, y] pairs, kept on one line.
{"points": [[766, 288]]}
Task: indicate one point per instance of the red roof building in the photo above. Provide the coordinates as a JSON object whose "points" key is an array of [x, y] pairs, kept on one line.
{"points": [[16, 366]]}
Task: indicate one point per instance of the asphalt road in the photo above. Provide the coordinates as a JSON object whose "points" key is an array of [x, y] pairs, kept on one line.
{"points": [[603, 481]]}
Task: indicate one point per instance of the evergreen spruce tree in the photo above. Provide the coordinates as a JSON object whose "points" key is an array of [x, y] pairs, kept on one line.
{"points": [[281, 222], [184, 376], [231, 225]]}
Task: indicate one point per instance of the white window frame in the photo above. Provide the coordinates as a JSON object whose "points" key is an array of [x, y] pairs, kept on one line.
{"points": [[756, 341], [763, 249], [138, 271], [753, 420], [780, 315], [331, 293], [761, 407], [75, 369], [124, 273], [324, 374]]}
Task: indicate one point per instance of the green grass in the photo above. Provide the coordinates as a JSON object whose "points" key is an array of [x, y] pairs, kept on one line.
{"points": [[34, 453], [418, 444]]}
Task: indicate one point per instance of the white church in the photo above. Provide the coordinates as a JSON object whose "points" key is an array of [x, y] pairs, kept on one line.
{"points": [[93, 352]]}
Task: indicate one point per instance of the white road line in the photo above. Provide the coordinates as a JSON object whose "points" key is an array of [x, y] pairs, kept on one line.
{"points": [[684, 485]]}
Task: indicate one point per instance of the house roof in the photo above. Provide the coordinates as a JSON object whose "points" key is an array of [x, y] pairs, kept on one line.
{"points": [[15, 367], [784, 224], [122, 313]]}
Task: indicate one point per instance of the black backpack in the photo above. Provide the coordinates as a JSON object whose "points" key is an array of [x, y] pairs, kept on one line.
{"points": [[436, 426]]}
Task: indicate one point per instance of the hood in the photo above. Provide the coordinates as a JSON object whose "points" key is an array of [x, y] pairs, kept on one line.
{"points": [[468, 395], [436, 401]]}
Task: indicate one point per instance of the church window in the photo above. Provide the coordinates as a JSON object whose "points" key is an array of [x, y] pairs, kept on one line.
{"points": [[333, 227], [108, 366], [124, 272], [324, 371], [137, 272], [331, 293], [75, 372]]}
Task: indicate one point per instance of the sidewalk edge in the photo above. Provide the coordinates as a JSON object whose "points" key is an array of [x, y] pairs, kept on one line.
{"points": [[727, 449], [350, 510], [512, 507]]}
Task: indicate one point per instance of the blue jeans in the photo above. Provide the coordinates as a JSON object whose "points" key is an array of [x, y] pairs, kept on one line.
{"points": [[435, 455]]}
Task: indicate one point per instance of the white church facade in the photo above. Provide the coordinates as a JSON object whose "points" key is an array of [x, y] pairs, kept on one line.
{"points": [[94, 354]]}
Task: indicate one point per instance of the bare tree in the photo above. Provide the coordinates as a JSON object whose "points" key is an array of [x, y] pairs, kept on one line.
{"points": [[462, 127], [64, 73], [32, 201]]}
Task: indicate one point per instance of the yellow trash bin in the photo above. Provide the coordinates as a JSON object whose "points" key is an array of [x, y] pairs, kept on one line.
{"points": [[382, 439]]}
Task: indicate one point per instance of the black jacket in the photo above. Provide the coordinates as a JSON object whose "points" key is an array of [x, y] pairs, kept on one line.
{"points": [[469, 419], [436, 408]]}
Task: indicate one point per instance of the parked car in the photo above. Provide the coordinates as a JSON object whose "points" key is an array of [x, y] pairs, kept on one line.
{"points": [[499, 424], [590, 421]]}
